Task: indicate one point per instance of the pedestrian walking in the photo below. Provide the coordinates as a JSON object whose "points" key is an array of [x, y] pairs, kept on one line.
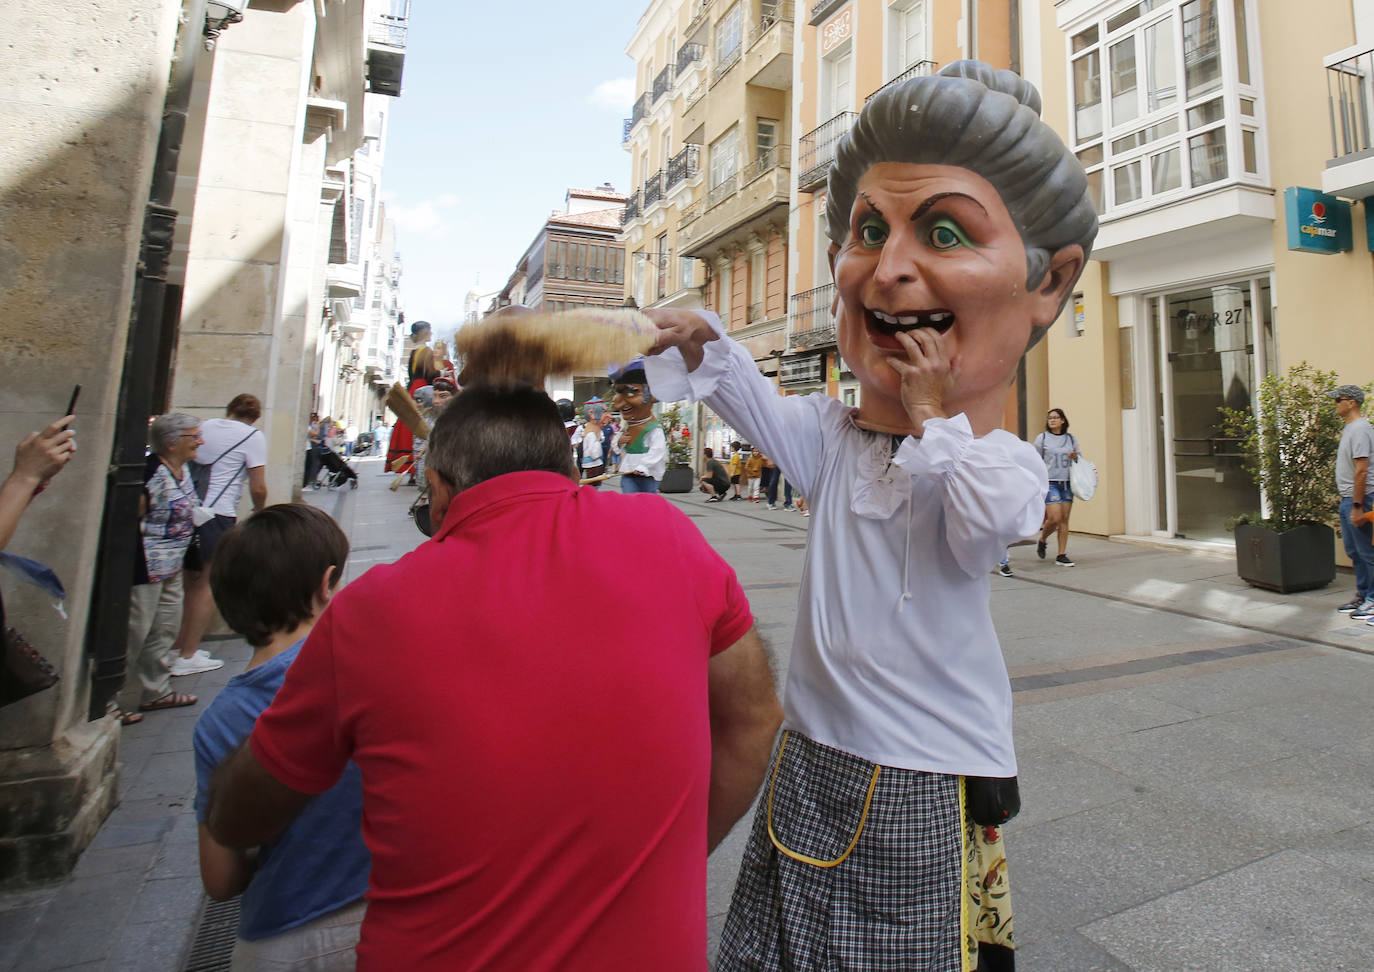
{"points": [[233, 452], [302, 892], [769, 482], [1058, 449], [169, 509], [1357, 497], [877, 840], [504, 833]]}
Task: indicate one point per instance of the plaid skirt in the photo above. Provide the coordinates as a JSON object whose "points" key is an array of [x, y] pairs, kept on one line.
{"points": [[854, 866]]}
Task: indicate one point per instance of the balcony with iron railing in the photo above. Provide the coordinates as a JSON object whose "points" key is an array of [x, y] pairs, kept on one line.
{"points": [[632, 209], [386, 52], [637, 114], [764, 162], [722, 190], [810, 324], [727, 60], [663, 83], [816, 149], [771, 14], [683, 166], [749, 202], [699, 18], [688, 55], [653, 189], [921, 69], [768, 63], [1350, 106], [689, 216]]}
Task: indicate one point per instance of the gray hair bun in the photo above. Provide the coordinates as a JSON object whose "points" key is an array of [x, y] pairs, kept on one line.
{"points": [[995, 79]]}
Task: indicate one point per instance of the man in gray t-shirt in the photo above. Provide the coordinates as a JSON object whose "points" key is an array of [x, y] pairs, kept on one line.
{"points": [[1352, 479]]}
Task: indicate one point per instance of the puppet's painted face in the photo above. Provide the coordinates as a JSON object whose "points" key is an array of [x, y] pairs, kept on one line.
{"points": [[629, 400], [933, 246]]}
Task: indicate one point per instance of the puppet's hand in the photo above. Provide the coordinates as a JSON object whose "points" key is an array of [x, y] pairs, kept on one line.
{"points": [[684, 330], [926, 373]]}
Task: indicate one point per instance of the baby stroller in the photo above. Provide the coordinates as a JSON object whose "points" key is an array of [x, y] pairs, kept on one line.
{"points": [[334, 470]]}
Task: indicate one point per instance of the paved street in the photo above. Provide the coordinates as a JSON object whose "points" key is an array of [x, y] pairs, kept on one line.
{"points": [[1197, 793]]}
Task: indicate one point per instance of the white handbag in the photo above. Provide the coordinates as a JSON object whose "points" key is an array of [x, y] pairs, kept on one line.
{"points": [[1083, 478]]}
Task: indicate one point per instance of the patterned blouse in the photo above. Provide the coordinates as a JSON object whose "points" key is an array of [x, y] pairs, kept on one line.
{"points": [[167, 527]]}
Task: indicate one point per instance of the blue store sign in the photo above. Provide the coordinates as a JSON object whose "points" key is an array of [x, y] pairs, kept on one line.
{"points": [[1317, 223]]}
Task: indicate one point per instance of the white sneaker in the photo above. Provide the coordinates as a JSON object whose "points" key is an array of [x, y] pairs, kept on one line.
{"points": [[195, 665], [772, 506]]}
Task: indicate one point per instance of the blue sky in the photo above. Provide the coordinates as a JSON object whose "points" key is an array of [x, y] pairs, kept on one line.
{"points": [[505, 105]]}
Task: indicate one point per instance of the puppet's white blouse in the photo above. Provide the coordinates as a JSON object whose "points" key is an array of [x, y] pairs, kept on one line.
{"points": [[895, 658]]}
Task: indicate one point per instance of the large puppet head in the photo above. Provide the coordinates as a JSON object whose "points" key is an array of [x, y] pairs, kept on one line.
{"points": [[631, 386], [952, 206]]}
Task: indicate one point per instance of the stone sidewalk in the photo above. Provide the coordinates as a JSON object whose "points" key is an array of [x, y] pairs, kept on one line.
{"points": [[1195, 761]]}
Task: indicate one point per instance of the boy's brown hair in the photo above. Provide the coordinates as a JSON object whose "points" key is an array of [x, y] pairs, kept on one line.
{"points": [[267, 569]]}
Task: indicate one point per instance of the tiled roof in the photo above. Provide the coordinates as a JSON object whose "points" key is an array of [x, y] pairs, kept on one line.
{"points": [[598, 218], [610, 194]]}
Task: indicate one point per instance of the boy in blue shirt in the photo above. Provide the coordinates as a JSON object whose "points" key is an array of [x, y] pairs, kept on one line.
{"points": [[302, 904]]}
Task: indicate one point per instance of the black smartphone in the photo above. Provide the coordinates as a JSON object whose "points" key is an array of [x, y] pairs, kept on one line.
{"points": [[71, 405]]}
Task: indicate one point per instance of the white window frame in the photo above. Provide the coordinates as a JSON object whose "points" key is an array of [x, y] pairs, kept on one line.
{"points": [[724, 164], [773, 127], [724, 30], [896, 15], [829, 72], [1149, 128]]}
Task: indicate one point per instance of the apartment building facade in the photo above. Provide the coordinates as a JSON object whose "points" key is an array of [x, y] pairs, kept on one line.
{"points": [[1208, 129], [710, 147], [577, 259], [846, 51], [709, 144]]}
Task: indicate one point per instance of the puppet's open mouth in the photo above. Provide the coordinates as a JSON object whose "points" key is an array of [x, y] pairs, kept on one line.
{"points": [[883, 327]]}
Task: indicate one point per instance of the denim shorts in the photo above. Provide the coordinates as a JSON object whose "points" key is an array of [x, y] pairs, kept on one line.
{"points": [[1059, 493]]}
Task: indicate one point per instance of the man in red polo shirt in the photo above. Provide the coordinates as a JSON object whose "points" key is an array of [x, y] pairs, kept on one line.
{"points": [[536, 796]]}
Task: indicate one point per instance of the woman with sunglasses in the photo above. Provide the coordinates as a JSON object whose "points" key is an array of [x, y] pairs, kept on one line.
{"points": [[1058, 449]]}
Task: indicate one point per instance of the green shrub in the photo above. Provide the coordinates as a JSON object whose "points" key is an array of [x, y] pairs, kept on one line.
{"points": [[1290, 440]]}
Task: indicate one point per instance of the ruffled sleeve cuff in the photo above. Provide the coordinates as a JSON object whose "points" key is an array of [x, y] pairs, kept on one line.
{"points": [[667, 374], [940, 450]]}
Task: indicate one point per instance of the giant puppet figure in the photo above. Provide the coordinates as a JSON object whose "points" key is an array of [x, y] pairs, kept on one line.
{"points": [[959, 224]]}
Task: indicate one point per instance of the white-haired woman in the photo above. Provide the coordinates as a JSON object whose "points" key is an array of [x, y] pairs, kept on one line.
{"points": [[166, 527]]}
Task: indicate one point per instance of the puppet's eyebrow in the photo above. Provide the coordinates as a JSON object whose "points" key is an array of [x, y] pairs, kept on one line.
{"points": [[871, 204], [922, 209]]}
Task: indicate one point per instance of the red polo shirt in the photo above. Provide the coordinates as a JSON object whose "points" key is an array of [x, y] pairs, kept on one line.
{"points": [[535, 766]]}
